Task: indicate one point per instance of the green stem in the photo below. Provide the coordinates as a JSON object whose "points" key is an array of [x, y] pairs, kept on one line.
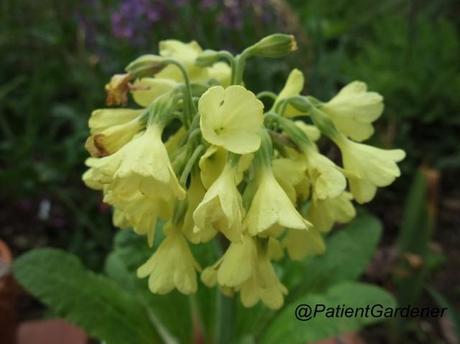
{"points": [[225, 55], [189, 106], [225, 321], [240, 63], [266, 94], [188, 167], [292, 130]]}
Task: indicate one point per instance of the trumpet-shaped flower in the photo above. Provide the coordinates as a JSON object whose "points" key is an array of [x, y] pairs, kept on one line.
{"points": [[275, 248], [171, 266], [323, 213], [354, 109], [103, 119], [195, 195], [368, 167], [212, 162], [231, 118], [141, 212], [326, 178], [271, 206], [110, 140], [300, 244], [238, 263], [221, 207], [91, 177], [146, 165], [289, 174], [235, 267], [263, 285], [119, 219]]}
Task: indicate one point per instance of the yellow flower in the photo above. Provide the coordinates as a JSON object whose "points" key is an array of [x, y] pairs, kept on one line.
{"points": [[368, 167], [144, 165], [110, 140], [324, 213], [171, 266], [311, 131], [146, 90], [119, 219], [111, 129], [221, 72], [221, 208], [211, 164], [263, 285], [141, 212], [231, 118], [326, 178], [300, 244], [271, 206], [293, 87], [91, 177], [354, 109], [103, 119], [186, 54], [175, 140], [195, 195], [238, 263], [289, 174], [275, 249]]}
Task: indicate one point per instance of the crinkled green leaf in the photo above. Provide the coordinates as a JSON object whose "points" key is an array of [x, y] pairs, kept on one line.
{"points": [[91, 301]]}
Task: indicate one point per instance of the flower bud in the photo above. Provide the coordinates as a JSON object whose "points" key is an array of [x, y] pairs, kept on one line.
{"points": [[300, 103], [274, 46], [146, 65], [207, 58]]}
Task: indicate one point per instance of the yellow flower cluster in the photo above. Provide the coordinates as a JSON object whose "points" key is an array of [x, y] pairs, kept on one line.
{"points": [[204, 155]]}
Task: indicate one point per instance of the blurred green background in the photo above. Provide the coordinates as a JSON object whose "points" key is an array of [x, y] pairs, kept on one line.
{"points": [[57, 56]]}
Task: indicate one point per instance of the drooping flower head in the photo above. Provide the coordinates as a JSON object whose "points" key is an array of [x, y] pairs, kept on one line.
{"points": [[200, 153]]}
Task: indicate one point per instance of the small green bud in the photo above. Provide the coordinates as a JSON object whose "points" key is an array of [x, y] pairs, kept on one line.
{"points": [[299, 103], [146, 65], [274, 46], [207, 58]]}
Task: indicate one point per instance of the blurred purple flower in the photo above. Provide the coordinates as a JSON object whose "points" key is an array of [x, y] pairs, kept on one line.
{"points": [[133, 18]]}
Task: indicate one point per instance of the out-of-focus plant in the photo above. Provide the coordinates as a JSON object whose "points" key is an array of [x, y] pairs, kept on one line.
{"points": [[412, 48], [214, 178], [401, 49]]}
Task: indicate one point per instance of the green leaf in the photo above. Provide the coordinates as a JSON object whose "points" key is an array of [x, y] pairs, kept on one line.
{"points": [[414, 237], [348, 253], [91, 301], [286, 328], [416, 227], [171, 313]]}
